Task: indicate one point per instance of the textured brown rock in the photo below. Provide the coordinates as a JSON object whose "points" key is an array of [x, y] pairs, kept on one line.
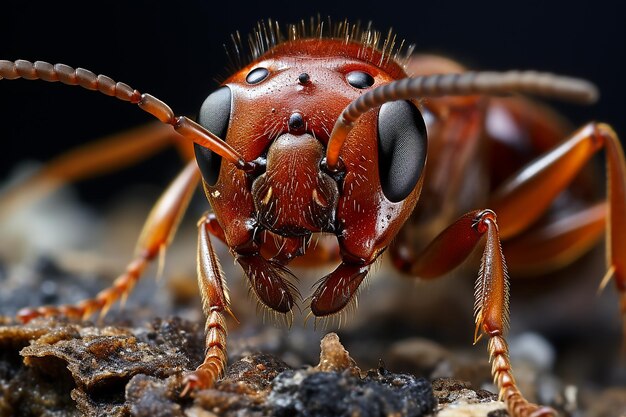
{"points": [[100, 358], [86, 368], [148, 396], [54, 367]]}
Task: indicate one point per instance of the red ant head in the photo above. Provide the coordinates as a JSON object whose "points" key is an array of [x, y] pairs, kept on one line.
{"points": [[279, 112]]}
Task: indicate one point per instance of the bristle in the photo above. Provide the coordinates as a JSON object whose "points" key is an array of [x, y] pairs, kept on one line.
{"points": [[275, 318], [336, 320], [479, 289], [507, 292], [268, 34]]}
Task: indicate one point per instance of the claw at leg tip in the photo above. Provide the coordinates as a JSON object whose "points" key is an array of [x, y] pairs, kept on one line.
{"points": [[477, 333], [605, 280], [191, 381], [231, 314], [186, 391], [197, 380]]}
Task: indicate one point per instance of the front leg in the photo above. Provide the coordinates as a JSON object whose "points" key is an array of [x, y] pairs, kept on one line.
{"points": [[215, 302], [491, 309]]}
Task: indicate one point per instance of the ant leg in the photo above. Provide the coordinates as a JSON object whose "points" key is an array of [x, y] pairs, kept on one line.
{"points": [[526, 196], [156, 235], [491, 309], [557, 243], [215, 302], [95, 158]]}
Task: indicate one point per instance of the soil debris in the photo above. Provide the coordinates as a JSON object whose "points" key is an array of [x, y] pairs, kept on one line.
{"points": [[334, 357]]}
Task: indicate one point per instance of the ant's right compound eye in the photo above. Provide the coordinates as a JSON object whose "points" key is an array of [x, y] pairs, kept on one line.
{"points": [[214, 116], [402, 143]]}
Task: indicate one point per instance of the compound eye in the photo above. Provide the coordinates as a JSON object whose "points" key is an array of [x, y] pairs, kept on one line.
{"points": [[402, 144], [257, 75], [215, 116], [360, 79]]}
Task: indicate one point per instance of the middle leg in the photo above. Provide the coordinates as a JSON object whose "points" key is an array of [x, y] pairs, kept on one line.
{"points": [[156, 235]]}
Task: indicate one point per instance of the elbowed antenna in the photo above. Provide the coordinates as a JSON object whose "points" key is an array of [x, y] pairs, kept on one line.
{"points": [[84, 78], [465, 84]]}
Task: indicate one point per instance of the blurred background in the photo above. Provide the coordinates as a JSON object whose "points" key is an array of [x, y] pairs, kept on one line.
{"points": [[174, 50]]}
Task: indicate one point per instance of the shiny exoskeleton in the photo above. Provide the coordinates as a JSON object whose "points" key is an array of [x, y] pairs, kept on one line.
{"points": [[291, 103], [325, 133]]}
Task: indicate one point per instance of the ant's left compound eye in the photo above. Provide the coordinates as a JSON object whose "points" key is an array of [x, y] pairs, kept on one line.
{"points": [[215, 116], [360, 79], [257, 75], [402, 144]]}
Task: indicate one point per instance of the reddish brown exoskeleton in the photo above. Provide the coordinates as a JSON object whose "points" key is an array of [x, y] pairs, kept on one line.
{"points": [[325, 133]]}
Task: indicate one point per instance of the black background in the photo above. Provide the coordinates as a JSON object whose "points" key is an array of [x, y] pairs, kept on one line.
{"points": [[175, 50]]}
